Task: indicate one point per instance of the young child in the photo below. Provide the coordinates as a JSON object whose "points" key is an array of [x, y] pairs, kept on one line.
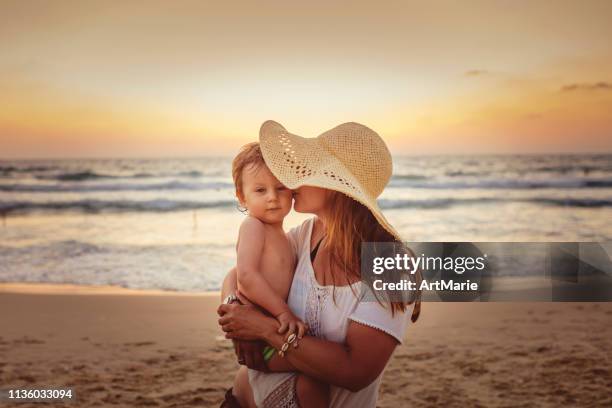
{"points": [[266, 261], [265, 257]]}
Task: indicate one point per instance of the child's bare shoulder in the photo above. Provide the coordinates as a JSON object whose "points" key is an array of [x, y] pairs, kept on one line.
{"points": [[252, 226]]}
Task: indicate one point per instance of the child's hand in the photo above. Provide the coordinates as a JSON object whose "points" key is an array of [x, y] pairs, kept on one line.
{"points": [[289, 322]]}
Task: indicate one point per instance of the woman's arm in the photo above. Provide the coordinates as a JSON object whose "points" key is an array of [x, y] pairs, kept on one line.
{"points": [[250, 352], [353, 365]]}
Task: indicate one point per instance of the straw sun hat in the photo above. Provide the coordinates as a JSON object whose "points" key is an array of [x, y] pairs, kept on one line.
{"points": [[350, 158]]}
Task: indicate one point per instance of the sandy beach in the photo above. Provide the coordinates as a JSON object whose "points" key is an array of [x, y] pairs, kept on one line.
{"points": [[129, 348]]}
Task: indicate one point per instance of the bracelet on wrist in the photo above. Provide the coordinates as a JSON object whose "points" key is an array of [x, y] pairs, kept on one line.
{"points": [[292, 339], [231, 299]]}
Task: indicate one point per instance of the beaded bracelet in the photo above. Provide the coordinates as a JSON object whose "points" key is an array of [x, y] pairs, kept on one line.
{"points": [[292, 339]]}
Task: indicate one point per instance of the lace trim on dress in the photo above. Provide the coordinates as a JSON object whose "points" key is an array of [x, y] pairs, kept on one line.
{"points": [[317, 297], [283, 396]]}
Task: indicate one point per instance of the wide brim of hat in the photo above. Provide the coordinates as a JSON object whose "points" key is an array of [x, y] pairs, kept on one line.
{"points": [[298, 161]]}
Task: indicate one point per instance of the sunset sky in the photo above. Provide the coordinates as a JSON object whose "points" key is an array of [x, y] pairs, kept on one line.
{"points": [[181, 78]]}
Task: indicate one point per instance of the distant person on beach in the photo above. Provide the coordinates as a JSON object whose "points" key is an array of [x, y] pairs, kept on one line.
{"points": [[265, 257], [337, 177]]}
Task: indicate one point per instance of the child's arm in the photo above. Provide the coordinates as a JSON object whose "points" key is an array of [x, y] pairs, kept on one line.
{"points": [[250, 280]]}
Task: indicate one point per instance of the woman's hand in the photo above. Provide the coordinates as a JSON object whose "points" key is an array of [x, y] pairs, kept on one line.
{"points": [[250, 353], [245, 322]]}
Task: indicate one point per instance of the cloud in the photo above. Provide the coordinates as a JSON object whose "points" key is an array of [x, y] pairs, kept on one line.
{"points": [[595, 86], [475, 72]]}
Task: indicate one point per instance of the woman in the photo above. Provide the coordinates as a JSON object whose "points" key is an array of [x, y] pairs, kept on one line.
{"points": [[336, 176]]}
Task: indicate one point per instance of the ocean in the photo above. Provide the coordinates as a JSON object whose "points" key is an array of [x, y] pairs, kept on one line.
{"points": [[172, 224]]}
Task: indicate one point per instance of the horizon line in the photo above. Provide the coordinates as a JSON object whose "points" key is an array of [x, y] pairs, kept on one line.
{"points": [[194, 157]]}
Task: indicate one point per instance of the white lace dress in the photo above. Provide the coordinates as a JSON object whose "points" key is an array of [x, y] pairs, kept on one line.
{"points": [[328, 320]]}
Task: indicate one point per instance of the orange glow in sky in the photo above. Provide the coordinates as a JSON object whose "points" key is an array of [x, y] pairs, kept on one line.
{"points": [[135, 79]]}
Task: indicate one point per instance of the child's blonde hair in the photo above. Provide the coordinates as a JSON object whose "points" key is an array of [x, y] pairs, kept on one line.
{"points": [[250, 154]]}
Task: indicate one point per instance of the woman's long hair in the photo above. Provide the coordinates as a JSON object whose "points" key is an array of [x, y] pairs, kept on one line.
{"points": [[348, 224]]}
